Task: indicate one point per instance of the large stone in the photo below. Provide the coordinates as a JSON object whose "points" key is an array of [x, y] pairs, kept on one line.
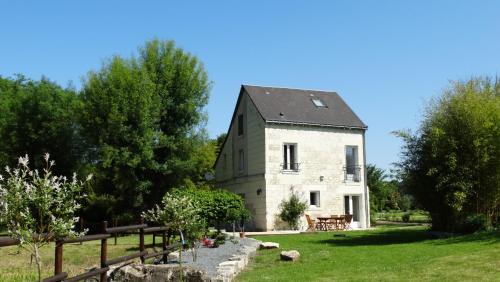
{"points": [[292, 255], [269, 245]]}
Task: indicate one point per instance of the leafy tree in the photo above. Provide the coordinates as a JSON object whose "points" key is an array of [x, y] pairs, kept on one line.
{"points": [[38, 208], [38, 117], [143, 119], [452, 163], [292, 209]]}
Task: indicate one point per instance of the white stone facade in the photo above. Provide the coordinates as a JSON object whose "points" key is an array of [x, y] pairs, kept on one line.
{"points": [[321, 156]]}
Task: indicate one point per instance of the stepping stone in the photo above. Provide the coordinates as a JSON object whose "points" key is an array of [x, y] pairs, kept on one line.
{"points": [[269, 245], [292, 255]]}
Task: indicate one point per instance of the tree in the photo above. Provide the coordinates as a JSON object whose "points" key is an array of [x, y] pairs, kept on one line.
{"points": [[292, 209], [143, 121], [38, 117], [452, 163], [379, 190], [38, 208]]}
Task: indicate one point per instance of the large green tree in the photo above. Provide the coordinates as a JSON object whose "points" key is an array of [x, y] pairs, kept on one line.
{"points": [[37, 117], [143, 120], [452, 164]]}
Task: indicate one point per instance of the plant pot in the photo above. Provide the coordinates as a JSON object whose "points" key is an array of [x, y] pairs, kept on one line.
{"points": [[242, 234]]}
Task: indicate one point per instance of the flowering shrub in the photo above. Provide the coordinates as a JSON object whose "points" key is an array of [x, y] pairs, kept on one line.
{"points": [[180, 215], [38, 207]]}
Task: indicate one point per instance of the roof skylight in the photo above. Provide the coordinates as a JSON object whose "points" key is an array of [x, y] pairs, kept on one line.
{"points": [[318, 103]]}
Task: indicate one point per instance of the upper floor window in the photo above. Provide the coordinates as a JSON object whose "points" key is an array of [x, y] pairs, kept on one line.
{"points": [[240, 125], [290, 157], [352, 171], [241, 160]]}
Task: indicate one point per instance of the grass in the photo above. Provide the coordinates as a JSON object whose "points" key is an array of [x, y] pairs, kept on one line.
{"points": [[383, 254], [16, 267]]}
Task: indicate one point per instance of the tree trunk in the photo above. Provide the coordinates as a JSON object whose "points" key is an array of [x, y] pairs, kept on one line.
{"points": [[38, 262]]}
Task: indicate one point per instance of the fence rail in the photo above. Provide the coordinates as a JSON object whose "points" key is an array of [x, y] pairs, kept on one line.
{"points": [[105, 263]]}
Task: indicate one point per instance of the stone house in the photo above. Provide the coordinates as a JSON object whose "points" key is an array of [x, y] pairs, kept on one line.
{"points": [[307, 140]]}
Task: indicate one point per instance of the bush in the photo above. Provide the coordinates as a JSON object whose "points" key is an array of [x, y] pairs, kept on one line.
{"points": [[217, 207], [406, 217], [292, 209], [474, 223]]}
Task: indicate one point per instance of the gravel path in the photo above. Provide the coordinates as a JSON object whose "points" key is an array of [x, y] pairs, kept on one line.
{"points": [[209, 258]]}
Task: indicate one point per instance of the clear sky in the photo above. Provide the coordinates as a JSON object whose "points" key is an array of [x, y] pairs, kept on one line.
{"points": [[385, 58]]}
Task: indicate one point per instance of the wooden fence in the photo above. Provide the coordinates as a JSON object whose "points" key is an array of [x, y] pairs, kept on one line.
{"points": [[106, 262]]}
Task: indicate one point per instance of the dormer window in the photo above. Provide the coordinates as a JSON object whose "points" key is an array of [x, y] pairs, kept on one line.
{"points": [[318, 103]]}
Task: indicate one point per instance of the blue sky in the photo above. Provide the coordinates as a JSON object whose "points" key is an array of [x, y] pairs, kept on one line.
{"points": [[385, 58]]}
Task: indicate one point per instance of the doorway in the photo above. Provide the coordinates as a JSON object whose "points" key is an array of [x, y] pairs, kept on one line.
{"points": [[351, 206]]}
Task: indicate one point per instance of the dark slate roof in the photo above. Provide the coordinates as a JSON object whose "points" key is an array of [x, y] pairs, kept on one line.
{"points": [[286, 105]]}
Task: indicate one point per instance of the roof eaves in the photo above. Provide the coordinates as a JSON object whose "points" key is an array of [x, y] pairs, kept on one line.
{"points": [[316, 124]]}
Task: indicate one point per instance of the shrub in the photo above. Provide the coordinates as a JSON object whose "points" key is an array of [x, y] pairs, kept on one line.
{"points": [[216, 207], [33, 204], [474, 223], [292, 209], [406, 217]]}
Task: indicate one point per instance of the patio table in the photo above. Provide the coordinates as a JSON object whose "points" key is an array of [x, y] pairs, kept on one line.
{"points": [[323, 222]]}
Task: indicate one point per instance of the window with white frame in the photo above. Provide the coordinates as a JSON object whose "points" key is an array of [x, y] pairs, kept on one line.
{"points": [[290, 157], [352, 169], [240, 125], [314, 199]]}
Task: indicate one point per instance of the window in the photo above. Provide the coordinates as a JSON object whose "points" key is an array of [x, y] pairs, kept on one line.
{"points": [[318, 103], [240, 125], [314, 198], [224, 161], [241, 160], [290, 157], [352, 169]]}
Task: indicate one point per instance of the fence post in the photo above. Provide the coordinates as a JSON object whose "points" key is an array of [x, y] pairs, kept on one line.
{"points": [[58, 257], [141, 240], [104, 252], [164, 245]]}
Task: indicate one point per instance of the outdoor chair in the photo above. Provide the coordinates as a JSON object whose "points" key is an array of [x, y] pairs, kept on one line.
{"points": [[311, 223], [347, 221]]}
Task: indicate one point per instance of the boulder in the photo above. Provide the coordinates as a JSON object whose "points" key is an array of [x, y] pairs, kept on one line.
{"points": [[292, 255], [269, 245]]}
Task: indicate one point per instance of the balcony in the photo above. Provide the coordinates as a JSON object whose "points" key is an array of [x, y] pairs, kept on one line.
{"points": [[290, 166], [352, 173]]}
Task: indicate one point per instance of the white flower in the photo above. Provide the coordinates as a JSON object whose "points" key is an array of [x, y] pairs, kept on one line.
{"points": [[89, 177], [46, 157], [24, 161]]}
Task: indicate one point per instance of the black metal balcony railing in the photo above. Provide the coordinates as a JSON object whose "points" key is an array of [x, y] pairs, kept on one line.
{"points": [[352, 173], [290, 166]]}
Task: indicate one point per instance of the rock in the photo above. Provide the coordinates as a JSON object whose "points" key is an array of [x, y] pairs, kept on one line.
{"points": [[173, 256], [292, 255], [269, 245], [162, 272]]}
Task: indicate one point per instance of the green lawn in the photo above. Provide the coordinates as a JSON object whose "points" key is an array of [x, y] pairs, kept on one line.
{"points": [[384, 254], [16, 267]]}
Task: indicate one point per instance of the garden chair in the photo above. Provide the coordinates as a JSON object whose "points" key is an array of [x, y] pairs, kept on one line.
{"points": [[311, 223], [347, 221]]}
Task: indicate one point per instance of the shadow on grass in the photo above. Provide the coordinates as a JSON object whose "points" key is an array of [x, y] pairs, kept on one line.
{"points": [[383, 237], [490, 237]]}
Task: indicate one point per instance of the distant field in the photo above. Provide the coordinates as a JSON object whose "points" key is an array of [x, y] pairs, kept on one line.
{"points": [[383, 254]]}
